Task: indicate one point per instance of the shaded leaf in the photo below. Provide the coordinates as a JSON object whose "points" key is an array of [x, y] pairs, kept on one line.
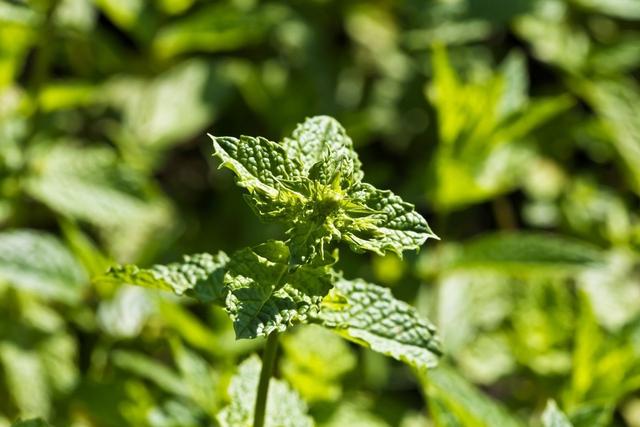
{"points": [[38, 262]]}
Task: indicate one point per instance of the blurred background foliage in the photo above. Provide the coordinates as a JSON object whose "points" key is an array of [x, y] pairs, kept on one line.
{"points": [[513, 125]]}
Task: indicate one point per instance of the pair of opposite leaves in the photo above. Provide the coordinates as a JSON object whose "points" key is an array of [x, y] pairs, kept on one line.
{"points": [[312, 182]]}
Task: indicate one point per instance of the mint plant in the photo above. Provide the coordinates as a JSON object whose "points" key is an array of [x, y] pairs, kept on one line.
{"points": [[313, 183]]}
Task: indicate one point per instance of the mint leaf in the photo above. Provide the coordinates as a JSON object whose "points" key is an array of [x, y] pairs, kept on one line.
{"points": [[370, 316], [263, 169], [34, 422], [455, 402], [387, 224], [320, 137], [284, 406], [200, 276], [266, 295], [40, 263], [554, 417]]}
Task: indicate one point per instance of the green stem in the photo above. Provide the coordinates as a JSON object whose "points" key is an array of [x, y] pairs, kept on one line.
{"points": [[268, 362]]}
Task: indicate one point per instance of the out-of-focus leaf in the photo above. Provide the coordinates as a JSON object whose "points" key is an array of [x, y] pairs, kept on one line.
{"points": [[617, 103], [124, 13], [126, 313], [65, 95], [218, 27], [157, 115], [526, 252], [34, 422], [454, 402], [150, 369], [554, 417], [553, 37], [25, 377], [314, 362], [38, 262], [201, 381], [93, 185], [284, 406], [482, 127], [624, 9], [370, 316]]}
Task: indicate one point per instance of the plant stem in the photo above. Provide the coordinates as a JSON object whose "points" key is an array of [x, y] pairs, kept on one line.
{"points": [[268, 362]]}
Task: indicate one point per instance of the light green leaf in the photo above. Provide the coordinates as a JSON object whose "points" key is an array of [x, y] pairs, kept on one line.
{"points": [[266, 295], [617, 105], [26, 378], [319, 137], [392, 224], [214, 28], [314, 362], [523, 251], [370, 316], [38, 262], [200, 379], [284, 406], [263, 168], [200, 276], [152, 370], [554, 417], [34, 422], [156, 116], [454, 402], [92, 184]]}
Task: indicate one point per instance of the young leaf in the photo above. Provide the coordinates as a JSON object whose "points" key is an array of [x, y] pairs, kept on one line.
{"points": [[554, 417], [284, 406], [370, 316], [316, 138], [200, 276], [39, 263], [312, 182], [263, 168], [265, 295], [393, 225]]}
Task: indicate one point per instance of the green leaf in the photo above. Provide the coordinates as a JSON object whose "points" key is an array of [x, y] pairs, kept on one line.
{"points": [[284, 406], [554, 417], [526, 252], [456, 403], [392, 224], [153, 111], [263, 169], [214, 28], [314, 361], [266, 295], [320, 137], [38, 262], [370, 316], [142, 365], [26, 377], [93, 185], [617, 105], [200, 276], [34, 422]]}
